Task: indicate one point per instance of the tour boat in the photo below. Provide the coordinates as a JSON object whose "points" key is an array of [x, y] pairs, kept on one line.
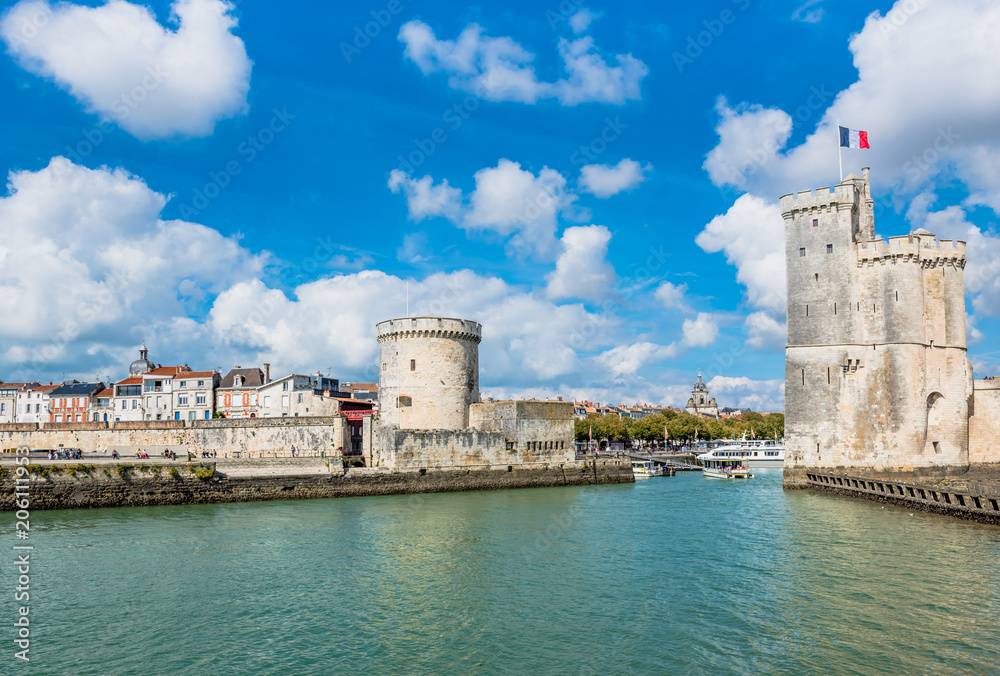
{"points": [[726, 469], [646, 468], [748, 452]]}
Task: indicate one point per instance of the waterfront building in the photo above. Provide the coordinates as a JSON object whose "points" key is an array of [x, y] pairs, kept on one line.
{"points": [[8, 400], [71, 401], [33, 403], [298, 395], [701, 402], [194, 394], [158, 389], [102, 409], [236, 396], [126, 400]]}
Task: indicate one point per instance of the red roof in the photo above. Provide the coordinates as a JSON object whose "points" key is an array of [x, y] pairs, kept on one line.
{"points": [[105, 393], [41, 388], [165, 371], [196, 374], [130, 381], [16, 386]]}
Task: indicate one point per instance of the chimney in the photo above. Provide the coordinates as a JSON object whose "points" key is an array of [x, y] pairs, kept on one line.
{"points": [[267, 373], [326, 393]]}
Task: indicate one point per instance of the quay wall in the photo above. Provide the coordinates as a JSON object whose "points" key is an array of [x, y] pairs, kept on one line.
{"points": [[975, 501], [258, 437], [138, 484]]}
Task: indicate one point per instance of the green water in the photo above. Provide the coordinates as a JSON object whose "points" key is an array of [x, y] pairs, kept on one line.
{"points": [[671, 575]]}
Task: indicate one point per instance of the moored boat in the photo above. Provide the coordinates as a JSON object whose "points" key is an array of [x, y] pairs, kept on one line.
{"points": [[647, 468]]}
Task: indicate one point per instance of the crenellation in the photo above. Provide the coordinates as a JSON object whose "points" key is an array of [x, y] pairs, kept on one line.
{"points": [[885, 384]]}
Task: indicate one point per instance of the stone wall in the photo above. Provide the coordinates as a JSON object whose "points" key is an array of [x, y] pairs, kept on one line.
{"points": [[542, 431], [984, 426], [140, 488], [224, 437], [876, 372], [429, 372]]}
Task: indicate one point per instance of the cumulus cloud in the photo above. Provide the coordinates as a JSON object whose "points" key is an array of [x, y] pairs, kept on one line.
{"points": [[604, 180], [671, 295], [500, 69], [626, 360], [764, 332], [508, 201], [122, 65], [700, 331], [85, 260], [581, 21], [582, 269], [752, 235], [749, 139], [760, 395]]}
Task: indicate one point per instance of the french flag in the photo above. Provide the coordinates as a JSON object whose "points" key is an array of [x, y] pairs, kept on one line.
{"points": [[852, 138]]}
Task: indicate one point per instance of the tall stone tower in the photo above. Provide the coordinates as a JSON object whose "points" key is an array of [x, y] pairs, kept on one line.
{"points": [[701, 402], [876, 372], [429, 372]]}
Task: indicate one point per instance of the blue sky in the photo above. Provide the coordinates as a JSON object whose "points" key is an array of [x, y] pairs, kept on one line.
{"points": [[595, 182]]}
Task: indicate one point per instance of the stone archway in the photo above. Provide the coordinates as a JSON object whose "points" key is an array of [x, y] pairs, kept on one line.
{"points": [[934, 443]]}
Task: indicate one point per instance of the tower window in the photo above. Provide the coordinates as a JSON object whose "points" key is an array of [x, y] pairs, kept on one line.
{"points": [[413, 364], [829, 248], [403, 401], [803, 376], [815, 222], [897, 296], [802, 252], [834, 308], [828, 375], [807, 310]]}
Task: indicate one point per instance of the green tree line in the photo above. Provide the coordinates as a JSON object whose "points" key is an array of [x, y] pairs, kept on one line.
{"points": [[680, 427]]}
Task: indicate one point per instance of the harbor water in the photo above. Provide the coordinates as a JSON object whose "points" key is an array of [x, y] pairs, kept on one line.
{"points": [[670, 575]]}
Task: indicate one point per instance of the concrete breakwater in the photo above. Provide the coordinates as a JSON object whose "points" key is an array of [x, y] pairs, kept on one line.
{"points": [[71, 485]]}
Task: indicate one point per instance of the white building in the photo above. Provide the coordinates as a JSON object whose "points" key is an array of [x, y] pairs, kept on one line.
{"points": [[127, 401], [33, 404], [298, 395], [8, 400], [158, 390], [194, 394]]}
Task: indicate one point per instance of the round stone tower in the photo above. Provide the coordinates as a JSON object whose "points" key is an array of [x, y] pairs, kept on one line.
{"points": [[428, 372]]}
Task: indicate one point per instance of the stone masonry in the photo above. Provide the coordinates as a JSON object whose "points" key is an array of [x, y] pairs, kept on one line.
{"points": [[876, 372], [429, 409]]}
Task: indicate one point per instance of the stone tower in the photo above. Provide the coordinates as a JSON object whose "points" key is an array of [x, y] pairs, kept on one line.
{"points": [[876, 373], [701, 402], [429, 372]]}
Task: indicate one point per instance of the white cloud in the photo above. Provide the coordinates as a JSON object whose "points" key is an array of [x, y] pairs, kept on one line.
{"points": [[604, 180], [764, 332], [752, 235], [86, 263], [760, 395], [626, 360], [119, 63], [508, 201], [499, 69], [424, 199], [749, 138], [672, 295], [582, 269], [809, 12], [700, 331], [581, 21]]}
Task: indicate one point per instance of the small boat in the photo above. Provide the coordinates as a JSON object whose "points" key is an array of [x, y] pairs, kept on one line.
{"points": [[647, 468], [725, 469]]}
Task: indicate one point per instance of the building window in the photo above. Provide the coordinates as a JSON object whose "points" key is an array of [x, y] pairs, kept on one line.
{"points": [[300, 397], [184, 383], [267, 401], [284, 386], [802, 252], [201, 383], [815, 222], [182, 400], [413, 364], [829, 248], [199, 399], [404, 401]]}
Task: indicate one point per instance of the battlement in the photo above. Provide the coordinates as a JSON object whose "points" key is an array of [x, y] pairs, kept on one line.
{"points": [[429, 327], [922, 248], [820, 199]]}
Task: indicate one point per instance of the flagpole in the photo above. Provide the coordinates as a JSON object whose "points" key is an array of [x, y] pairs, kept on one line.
{"points": [[840, 152]]}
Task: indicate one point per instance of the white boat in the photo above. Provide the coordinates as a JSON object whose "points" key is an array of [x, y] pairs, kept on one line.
{"points": [[726, 469], [748, 452], [646, 468]]}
